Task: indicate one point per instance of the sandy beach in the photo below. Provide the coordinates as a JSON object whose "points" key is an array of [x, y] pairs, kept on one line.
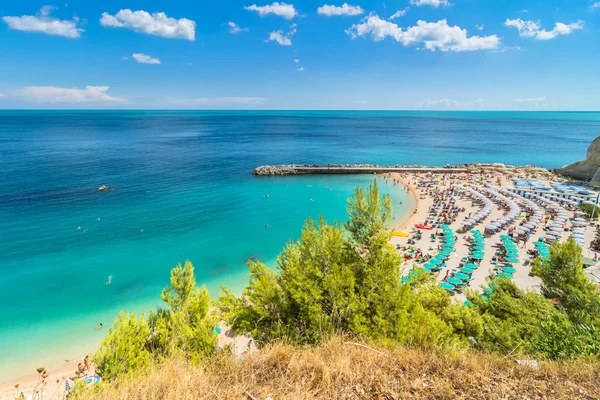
{"points": [[429, 190]]}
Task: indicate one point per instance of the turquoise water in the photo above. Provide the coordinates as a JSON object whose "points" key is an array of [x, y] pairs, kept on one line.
{"points": [[182, 189]]}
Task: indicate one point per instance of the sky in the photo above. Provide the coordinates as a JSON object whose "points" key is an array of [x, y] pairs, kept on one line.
{"points": [[232, 54]]}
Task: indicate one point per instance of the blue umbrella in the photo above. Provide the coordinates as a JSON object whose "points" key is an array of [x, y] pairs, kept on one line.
{"points": [[91, 380], [462, 276], [455, 281], [447, 286]]}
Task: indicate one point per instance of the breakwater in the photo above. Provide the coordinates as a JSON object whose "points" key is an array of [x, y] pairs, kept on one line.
{"points": [[306, 169]]}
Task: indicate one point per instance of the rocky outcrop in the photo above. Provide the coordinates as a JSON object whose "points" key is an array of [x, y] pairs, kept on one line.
{"points": [[588, 169]]}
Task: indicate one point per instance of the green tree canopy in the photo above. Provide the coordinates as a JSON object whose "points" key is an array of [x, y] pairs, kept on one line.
{"points": [[345, 279], [564, 278], [185, 328]]}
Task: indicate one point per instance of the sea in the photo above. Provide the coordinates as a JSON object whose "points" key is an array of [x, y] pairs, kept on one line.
{"points": [[180, 186]]}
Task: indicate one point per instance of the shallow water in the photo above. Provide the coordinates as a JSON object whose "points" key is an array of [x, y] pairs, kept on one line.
{"points": [[181, 188]]}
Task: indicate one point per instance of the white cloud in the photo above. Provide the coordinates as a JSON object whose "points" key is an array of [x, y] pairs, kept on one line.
{"points": [[301, 69], [157, 24], [533, 28], [53, 94], [235, 28], [595, 5], [2, 95], [432, 3], [398, 14], [221, 102], [43, 23], [530, 100], [284, 10], [145, 59], [280, 38], [345, 9], [296, 61], [283, 39], [433, 35], [362, 102], [480, 27], [449, 104], [534, 103]]}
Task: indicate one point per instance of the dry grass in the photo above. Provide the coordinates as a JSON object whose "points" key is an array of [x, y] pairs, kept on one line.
{"points": [[338, 370]]}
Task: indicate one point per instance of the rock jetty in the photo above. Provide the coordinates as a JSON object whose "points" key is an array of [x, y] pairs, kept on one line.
{"points": [[526, 171]]}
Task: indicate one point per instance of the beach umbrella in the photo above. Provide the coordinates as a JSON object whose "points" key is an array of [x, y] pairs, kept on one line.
{"points": [[91, 380], [470, 265], [504, 237], [579, 220], [488, 291], [447, 285], [477, 256], [435, 261], [510, 270], [462, 276], [455, 281], [467, 271], [512, 260]]}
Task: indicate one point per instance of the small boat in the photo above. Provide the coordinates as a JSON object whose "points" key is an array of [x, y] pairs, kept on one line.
{"points": [[102, 188]]}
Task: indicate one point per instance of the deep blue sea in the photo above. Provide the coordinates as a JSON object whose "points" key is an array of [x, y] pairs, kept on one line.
{"points": [[181, 188]]}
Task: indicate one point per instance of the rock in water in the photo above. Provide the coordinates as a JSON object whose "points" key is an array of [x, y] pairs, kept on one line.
{"points": [[588, 169]]}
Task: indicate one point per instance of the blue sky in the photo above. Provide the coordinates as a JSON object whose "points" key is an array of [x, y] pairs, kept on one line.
{"points": [[433, 54]]}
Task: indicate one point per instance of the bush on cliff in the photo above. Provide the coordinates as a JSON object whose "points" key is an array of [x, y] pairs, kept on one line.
{"points": [[346, 279], [185, 328]]}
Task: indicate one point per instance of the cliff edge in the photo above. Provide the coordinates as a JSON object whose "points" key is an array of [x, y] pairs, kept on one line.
{"points": [[588, 169]]}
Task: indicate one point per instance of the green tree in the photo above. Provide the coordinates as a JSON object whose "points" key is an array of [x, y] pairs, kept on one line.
{"points": [[185, 328], [124, 349], [512, 318], [564, 278], [344, 279], [590, 210]]}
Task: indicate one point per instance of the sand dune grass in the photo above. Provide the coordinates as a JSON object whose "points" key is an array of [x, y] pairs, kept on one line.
{"points": [[339, 370]]}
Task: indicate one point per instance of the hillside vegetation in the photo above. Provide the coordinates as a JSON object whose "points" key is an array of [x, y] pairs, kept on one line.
{"points": [[335, 370], [343, 280]]}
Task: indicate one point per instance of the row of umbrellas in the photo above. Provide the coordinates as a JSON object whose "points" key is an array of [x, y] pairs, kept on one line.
{"points": [[512, 213], [511, 256], [483, 213], [462, 276], [449, 244], [534, 220]]}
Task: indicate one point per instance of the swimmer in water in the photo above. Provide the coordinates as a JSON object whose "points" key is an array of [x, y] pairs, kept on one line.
{"points": [[311, 199], [109, 280], [98, 219], [141, 229], [266, 225], [79, 228], [100, 325], [266, 196]]}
